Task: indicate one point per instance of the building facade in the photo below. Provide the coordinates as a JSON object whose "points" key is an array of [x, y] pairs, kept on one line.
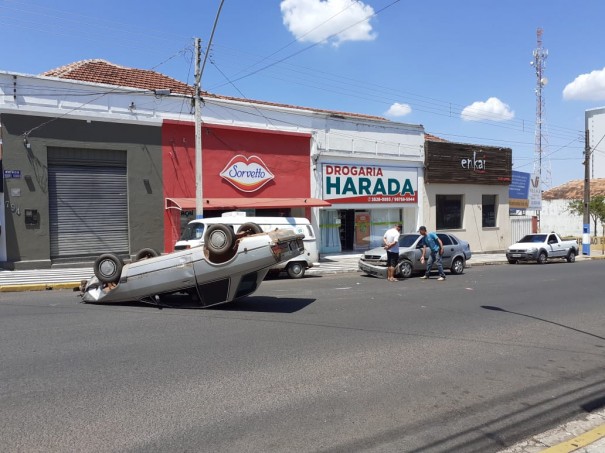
{"points": [[93, 166], [466, 193]]}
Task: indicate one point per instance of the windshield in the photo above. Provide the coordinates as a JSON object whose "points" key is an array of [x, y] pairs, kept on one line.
{"points": [[407, 240], [193, 231], [533, 238]]}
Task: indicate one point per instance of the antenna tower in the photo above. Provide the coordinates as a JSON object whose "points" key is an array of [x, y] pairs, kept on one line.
{"points": [[541, 142]]}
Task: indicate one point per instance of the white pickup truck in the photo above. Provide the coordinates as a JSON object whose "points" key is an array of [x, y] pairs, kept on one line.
{"points": [[540, 247]]}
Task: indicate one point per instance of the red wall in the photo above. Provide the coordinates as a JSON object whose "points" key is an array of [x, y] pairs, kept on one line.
{"points": [[286, 155]]}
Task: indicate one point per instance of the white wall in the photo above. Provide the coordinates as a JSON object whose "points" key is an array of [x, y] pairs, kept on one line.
{"points": [[554, 216], [481, 239]]}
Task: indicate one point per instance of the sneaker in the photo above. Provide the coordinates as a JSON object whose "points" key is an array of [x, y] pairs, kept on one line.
{"points": [[441, 279], [424, 277]]}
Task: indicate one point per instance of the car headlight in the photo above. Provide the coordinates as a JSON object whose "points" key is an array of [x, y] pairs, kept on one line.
{"points": [[532, 250]]}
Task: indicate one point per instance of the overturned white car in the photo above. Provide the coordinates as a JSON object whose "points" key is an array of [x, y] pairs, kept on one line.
{"points": [[227, 267]]}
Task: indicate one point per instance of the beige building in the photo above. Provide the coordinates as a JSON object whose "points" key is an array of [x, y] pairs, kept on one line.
{"points": [[466, 192]]}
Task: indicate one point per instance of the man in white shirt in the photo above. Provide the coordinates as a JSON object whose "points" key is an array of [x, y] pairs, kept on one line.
{"points": [[391, 245]]}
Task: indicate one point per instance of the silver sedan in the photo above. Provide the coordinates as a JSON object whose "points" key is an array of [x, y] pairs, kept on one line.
{"points": [[456, 252]]}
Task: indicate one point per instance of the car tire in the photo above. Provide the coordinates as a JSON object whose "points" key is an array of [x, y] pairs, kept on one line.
{"points": [[108, 268], [457, 266], [143, 254], [404, 269], [571, 257], [296, 269], [219, 239], [511, 261], [542, 257], [250, 228]]}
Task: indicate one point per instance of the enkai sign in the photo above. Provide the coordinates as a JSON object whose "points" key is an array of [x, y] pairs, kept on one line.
{"points": [[248, 174], [350, 183]]}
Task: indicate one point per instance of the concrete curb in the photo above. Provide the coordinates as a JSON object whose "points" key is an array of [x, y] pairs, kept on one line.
{"points": [[38, 287]]}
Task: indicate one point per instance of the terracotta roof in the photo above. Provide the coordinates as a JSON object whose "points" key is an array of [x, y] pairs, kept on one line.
{"points": [[102, 71], [433, 138], [574, 190]]}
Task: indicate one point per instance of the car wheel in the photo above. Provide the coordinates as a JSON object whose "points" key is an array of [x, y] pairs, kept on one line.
{"points": [[404, 269], [218, 239], [145, 253], [108, 268], [250, 228], [457, 266], [511, 261], [571, 257], [296, 270], [542, 257]]}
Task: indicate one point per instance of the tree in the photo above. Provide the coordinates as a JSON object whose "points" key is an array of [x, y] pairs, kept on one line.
{"points": [[596, 209]]}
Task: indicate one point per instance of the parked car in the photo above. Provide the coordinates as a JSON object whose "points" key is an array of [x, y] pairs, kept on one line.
{"points": [[541, 247], [456, 253], [227, 267]]}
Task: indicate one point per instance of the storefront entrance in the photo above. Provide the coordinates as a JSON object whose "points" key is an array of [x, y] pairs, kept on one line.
{"points": [[346, 229]]}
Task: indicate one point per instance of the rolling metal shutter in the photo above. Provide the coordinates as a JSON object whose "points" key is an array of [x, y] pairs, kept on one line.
{"points": [[88, 202]]}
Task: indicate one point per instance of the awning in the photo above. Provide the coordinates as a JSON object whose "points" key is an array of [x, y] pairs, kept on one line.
{"points": [[188, 204]]}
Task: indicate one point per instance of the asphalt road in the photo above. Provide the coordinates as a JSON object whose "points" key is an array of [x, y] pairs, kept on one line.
{"points": [[336, 363]]}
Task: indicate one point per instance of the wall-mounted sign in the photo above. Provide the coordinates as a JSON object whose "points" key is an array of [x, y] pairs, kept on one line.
{"points": [[248, 174], [457, 163], [12, 174], [518, 190], [535, 193], [351, 183]]}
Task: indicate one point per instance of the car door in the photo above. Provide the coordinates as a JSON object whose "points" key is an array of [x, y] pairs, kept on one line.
{"points": [[448, 249], [554, 246]]}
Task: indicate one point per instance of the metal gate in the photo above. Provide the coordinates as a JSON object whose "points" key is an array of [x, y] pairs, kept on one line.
{"points": [[519, 227], [88, 203]]}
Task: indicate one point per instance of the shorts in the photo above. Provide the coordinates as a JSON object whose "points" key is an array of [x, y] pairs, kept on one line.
{"points": [[392, 259]]}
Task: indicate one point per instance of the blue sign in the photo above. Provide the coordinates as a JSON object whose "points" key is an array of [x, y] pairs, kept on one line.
{"points": [[519, 186], [12, 174]]}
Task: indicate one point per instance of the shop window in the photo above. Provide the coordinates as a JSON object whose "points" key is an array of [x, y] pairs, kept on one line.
{"points": [[488, 209], [449, 212]]}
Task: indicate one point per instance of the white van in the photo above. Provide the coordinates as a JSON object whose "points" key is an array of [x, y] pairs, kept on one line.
{"points": [[193, 236]]}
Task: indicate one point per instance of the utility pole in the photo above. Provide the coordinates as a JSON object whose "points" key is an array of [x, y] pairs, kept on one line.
{"points": [[586, 229], [197, 99]]}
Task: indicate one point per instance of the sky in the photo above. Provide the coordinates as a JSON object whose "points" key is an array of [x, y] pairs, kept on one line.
{"points": [[459, 68]]}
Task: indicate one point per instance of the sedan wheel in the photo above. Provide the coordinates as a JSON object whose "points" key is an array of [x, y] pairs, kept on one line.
{"points": [[404, 269], [108, 268], [457, 266]]}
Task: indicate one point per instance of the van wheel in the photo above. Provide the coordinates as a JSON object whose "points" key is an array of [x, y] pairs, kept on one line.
{"points": [[108, 268], [250, 228], [143, 254], [295, 270], [219, 239]]}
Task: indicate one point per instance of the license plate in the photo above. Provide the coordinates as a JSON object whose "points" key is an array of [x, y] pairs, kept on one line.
{"points": [[516, 255]]}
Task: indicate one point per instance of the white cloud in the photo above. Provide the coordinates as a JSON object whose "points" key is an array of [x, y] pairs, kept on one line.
{"points": [[318, 20], [398, 109], [586, 87], [493, 109]]}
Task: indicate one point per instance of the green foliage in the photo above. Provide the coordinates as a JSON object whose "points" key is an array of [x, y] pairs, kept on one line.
{"points": [[596, 209]]}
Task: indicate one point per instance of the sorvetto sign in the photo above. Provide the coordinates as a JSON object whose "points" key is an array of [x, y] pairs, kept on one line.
{"points": [[248, 174], [351, 183]]}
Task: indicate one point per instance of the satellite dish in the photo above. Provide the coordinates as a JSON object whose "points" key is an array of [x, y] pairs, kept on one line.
{"points": [[543, 80]]}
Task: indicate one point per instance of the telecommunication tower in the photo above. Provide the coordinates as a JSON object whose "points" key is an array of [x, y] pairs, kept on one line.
{"points": [[541, 142]]}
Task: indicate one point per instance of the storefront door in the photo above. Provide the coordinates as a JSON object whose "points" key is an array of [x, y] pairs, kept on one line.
{"points": [[347, 228]]}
